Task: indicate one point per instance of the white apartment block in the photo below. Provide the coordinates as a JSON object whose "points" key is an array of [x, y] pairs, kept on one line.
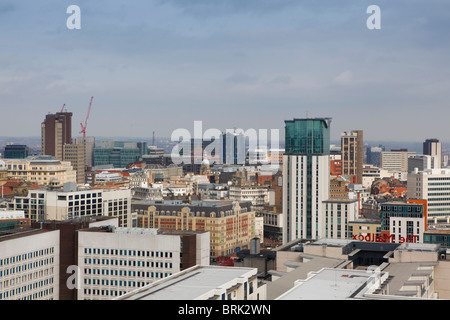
{"points": [[47, 172], [338, 212], [257, 195], [407, 227], [42, 204], [434, 186], [395, 160], [29, 265], [302, 203], [119, 260]]}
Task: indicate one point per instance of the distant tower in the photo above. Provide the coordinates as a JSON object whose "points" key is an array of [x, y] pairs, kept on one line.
{"points": [[352, 154], [432, 147], [56, 131]]}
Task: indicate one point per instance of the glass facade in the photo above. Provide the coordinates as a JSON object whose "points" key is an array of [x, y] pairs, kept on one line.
{"points": [[310, 136], [16, 152], [119, 153], [437, 238]]}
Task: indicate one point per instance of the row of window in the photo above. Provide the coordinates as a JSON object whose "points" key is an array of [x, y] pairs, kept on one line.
{"points": [[105, 293], [42, 286], [12, 294], [404, 208], [125, 283], [129, 263], [22, 257], [131, 253], [19, 268]]}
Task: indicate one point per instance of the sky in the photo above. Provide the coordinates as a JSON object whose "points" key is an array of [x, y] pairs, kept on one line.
{"points": [[160, 65]]}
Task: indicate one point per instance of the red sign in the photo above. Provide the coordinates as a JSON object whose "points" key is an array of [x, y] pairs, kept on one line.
{"points": [[372, 237]]}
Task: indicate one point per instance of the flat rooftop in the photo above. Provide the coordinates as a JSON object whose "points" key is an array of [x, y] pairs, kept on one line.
{"points": [[190, 284], [330, 284], [20, 233], [302, 269]]}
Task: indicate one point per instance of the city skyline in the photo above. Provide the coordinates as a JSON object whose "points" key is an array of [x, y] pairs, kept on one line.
{"points": [[162, 65]]}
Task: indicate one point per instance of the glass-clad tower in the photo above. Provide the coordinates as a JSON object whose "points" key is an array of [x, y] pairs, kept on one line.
{"points": [[306, 177], [310, 136]]}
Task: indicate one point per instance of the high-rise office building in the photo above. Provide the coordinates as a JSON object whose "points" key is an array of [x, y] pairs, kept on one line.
{"points": [[374, 155], [233, 148], [433, 147], [306, 177], [89, 145], [56, 130], [76, 155], [395, 160], [352, 154]]}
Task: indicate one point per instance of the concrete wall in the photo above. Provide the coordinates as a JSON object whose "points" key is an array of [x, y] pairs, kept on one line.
{"points": [[21, 247], [413, 256], [284, 256], [203, 249], [442, 279], [324, 251]]}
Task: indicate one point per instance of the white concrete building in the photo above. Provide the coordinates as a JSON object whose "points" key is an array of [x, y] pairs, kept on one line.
{"points": [[29, 265], [258, 195], [114, 261], [338, 212], [106, 176], [259, 228], [395, 160], [299, 223], [434, 186], [42, 204], [213, 191], [204, 283]]}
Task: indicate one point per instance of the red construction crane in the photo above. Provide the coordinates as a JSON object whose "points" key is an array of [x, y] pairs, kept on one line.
{"points": [[62, 109], [83, 128]]}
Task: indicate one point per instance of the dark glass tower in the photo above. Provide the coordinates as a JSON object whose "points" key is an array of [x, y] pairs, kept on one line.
{"points": [[309, 136]]}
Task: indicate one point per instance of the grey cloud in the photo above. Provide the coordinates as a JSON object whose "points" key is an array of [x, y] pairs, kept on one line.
{"points": [[241, 78], [281, 80]]}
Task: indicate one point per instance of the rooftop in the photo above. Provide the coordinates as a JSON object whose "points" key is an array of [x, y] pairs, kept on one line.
{"points": [[190, 284], [19, 233], [330, 284], [287, 280]]}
